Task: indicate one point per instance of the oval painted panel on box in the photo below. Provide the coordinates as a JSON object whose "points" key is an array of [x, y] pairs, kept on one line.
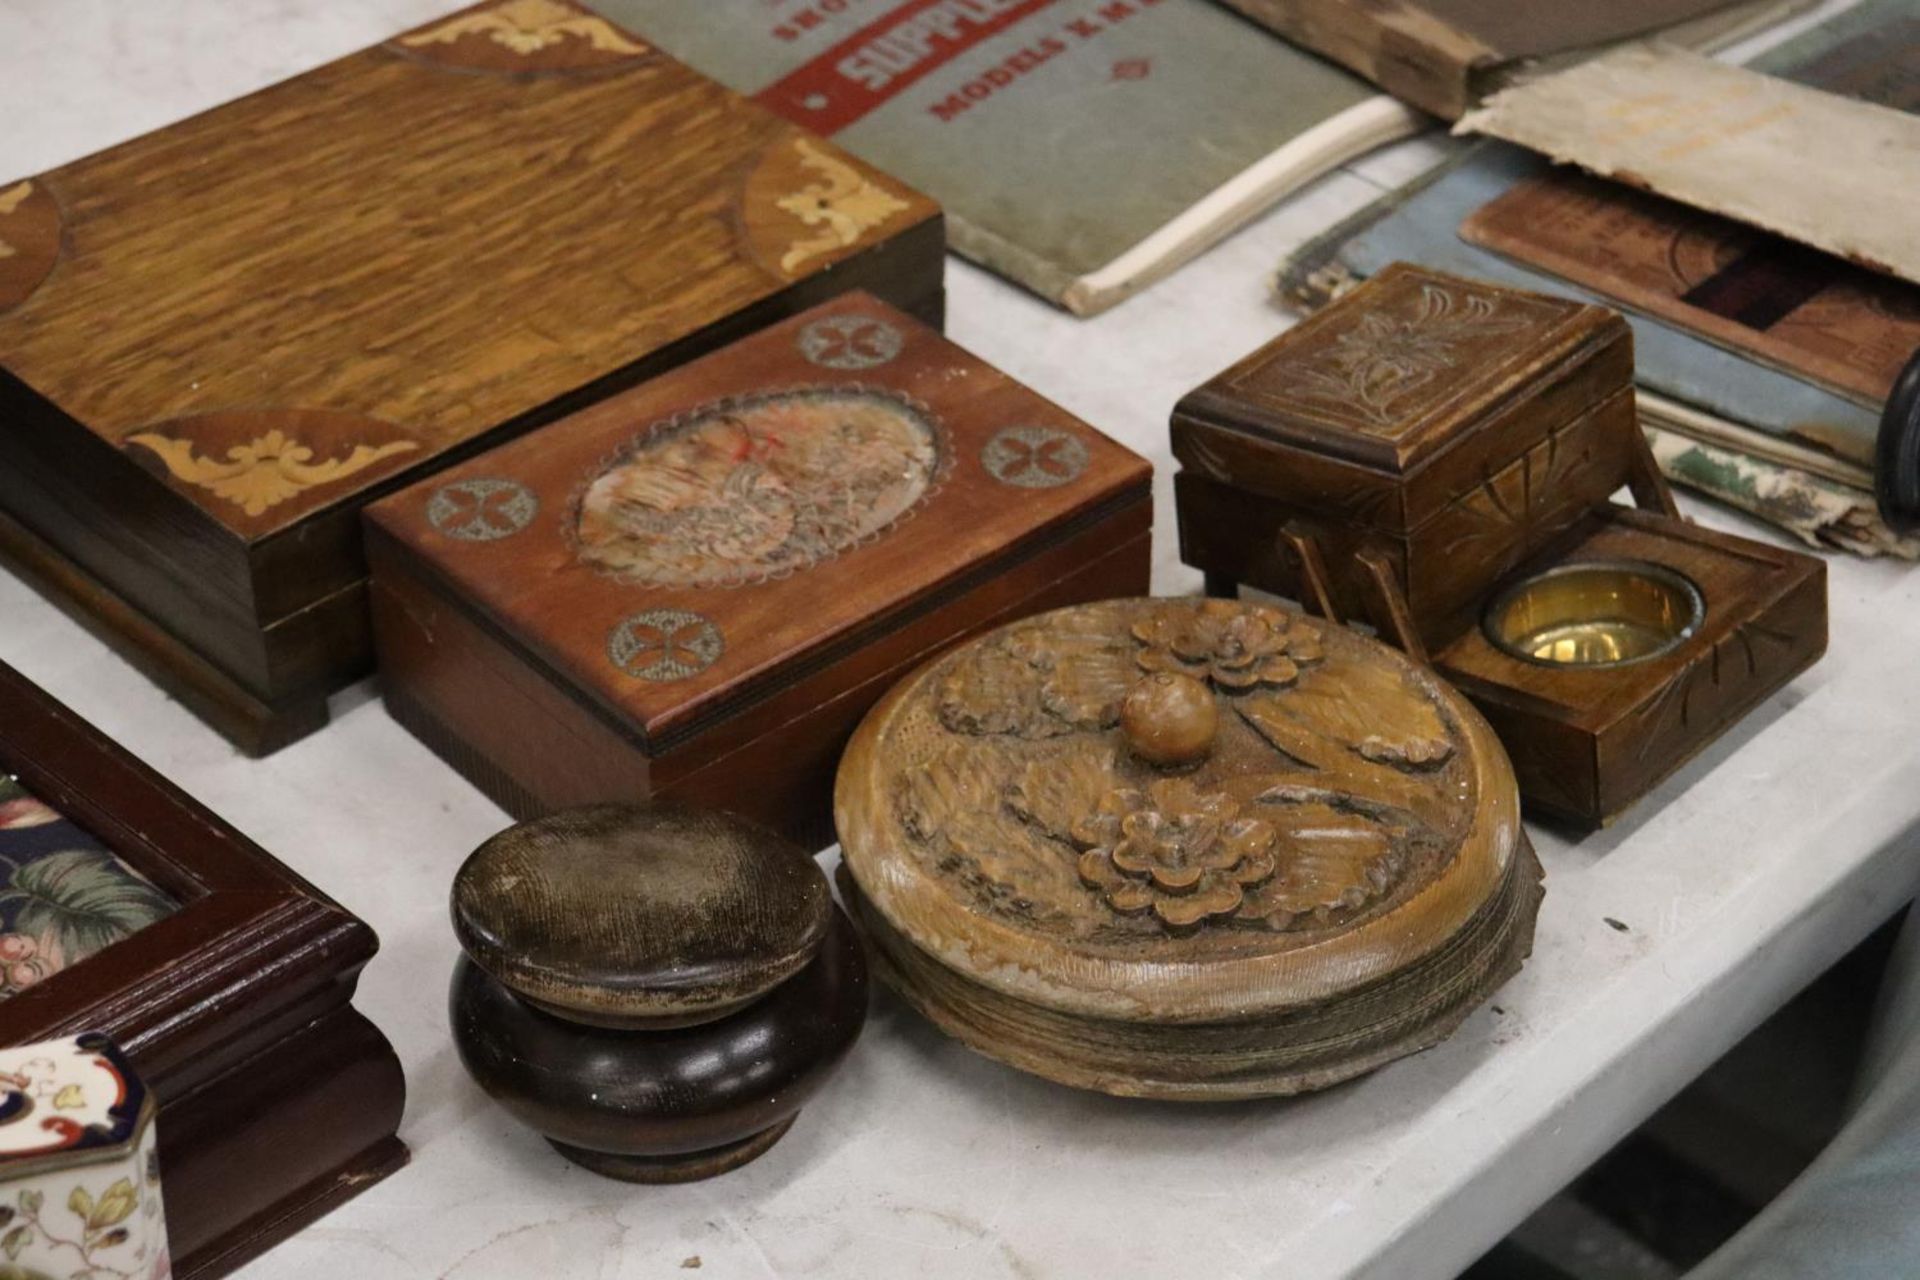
{"points": [[758, 487]]}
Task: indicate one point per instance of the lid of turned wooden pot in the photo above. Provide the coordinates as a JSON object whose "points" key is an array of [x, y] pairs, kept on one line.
{"points": [[621, 916], [1178, 811]]}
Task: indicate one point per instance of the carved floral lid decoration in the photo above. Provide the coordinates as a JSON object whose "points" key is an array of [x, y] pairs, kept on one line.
{"points": [[1142, 789]]}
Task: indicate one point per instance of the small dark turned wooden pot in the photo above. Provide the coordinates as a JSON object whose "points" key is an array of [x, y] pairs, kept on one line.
{"points": [[657, 991]]}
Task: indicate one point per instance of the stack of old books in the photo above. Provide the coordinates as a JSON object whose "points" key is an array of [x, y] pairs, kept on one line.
{"points": [[1737, 214], [1085, 149]]}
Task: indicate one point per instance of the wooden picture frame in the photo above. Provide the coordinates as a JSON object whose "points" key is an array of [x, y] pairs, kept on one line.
{"points": [[277, 1099]]}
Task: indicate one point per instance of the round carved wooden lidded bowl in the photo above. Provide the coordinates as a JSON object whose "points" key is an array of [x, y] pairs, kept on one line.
{"points": [[1069, 863]]}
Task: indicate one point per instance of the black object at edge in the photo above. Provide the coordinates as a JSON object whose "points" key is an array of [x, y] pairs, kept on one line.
{"points": [[1896, 460]]}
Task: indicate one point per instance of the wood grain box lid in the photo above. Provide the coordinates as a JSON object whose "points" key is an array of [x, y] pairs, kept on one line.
{"points": [[1417, 387], [220, 339], [752, 522]]}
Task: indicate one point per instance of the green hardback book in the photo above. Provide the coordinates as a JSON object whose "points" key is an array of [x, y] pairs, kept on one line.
{"points": [[1083, 148]]}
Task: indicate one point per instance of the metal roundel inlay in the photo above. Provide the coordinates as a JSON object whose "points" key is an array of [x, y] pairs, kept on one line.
{"points": [[1034, 457], [482, 510], [665, 644], [850, 342]]}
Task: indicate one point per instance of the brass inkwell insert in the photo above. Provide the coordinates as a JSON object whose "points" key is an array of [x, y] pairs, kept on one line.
{"points": [[1595, 614]]}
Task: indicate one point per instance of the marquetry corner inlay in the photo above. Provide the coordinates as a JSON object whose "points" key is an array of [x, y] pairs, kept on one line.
{"points": [[266, 471], [10, 200], [524, 35], [29, 239], [484, 509], [842, 206]]}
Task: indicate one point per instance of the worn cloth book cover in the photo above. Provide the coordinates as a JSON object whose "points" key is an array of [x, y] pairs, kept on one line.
{"points": [[1832, 172], [1807, 312], [1081, 147], [1870, 51], [1439, 54], [1820, 512]]}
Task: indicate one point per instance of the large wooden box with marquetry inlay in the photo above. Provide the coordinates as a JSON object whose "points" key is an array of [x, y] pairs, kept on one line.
{"points": [[694, 590], [220, 340], [1438, 457]]}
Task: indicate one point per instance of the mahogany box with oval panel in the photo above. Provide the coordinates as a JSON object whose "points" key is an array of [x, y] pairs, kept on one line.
{"points": [[1438, 457], [220, 340], [693, 590]]}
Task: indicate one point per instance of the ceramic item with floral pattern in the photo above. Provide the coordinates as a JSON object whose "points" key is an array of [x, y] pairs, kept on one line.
{"points": [[79, 1166]]}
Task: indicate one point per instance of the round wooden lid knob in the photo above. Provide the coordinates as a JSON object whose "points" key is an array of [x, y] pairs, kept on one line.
{"points": [[623, 917], [1169, 719]]}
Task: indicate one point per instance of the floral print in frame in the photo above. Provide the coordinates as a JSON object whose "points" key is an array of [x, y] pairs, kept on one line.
{"points": [[63, 895]]}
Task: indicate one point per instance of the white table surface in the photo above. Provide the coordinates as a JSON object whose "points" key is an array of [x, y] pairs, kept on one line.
{"points": [[1737, 882]]}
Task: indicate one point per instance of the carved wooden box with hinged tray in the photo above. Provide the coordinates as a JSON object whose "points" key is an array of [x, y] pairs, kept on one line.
{"points": [[1186, 849], [128, 909], [693, 590], [218, 341], [1438, 457]]}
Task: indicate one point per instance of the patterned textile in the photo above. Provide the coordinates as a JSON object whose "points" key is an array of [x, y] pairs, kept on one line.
{"points": [[63, 896]]}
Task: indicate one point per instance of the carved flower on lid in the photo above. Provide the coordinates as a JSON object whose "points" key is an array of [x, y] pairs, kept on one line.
{"points": [[1391, 352], [1238, 647], [1183, 854], [1040, 682]]}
